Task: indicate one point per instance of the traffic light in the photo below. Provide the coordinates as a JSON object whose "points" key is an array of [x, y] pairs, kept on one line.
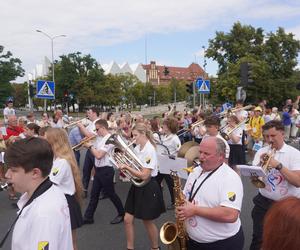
{"points": [[189, 88], [246, 73], [31, 91], [166, 71]]}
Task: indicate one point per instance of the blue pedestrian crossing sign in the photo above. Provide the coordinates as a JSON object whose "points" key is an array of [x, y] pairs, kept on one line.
{"points": [[203, 86], [45, 89]]}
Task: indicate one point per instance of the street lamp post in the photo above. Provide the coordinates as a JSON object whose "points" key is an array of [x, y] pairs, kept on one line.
{"points": [[52, 57], [202, 96]]}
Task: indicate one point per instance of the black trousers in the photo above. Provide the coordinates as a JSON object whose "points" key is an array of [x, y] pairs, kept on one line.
{"points": [[170, 183], [103, 179], [235, 242], [88, 165], [261, 207]]}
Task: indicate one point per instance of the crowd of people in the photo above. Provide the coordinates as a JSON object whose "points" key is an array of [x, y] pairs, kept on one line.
{"points": [[42, 162]]}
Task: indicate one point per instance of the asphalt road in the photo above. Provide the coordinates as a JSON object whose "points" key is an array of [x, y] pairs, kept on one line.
{"points": [[102, 235]]}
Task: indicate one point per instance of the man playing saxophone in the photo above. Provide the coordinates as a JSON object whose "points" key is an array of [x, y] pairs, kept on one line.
{"points": [[214, 194], [282, 180]]}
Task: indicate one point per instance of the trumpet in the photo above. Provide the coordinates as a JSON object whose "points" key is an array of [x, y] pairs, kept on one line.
{"points": [[256, 181], [5, 186], [75, 123], [78, 146]]}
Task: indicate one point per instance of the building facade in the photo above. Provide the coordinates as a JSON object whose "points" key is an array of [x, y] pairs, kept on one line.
{"points": [[158, 74]]}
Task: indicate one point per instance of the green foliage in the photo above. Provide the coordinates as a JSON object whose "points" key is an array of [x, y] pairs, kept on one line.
{"points": [[10, 69], [273, 58], [19, 93]]}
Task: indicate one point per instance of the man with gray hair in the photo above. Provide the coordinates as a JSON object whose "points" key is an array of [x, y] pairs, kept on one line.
{"points": [[214, 194]]}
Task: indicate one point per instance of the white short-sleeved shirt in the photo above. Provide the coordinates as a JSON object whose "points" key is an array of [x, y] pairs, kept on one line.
{"points": [[277, 187], [223, 188], [148, 157], [227, 151], [8, 111], [239, 133], [61, 174], [241, 114], [43, 224], [172, 142], [60, 124], [92, 129], [100, 145]]}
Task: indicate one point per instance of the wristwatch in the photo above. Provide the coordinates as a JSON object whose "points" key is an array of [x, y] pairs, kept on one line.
{"points": [[279, 167]]}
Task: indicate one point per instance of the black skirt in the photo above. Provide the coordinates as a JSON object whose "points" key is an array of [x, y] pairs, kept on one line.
{"points": [[237, 155], [145, 202], [75, 212]]}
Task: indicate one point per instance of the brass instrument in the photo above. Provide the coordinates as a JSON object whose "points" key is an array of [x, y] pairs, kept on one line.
{"points": [[192, 126], [171, 234], [4, 186], [75, 123], [233, 110], [226, 135], [122, 154], [256, 181], [78, 146]]}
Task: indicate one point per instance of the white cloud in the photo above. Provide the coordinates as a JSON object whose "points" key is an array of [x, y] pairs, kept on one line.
{"points": [[92, 23]]}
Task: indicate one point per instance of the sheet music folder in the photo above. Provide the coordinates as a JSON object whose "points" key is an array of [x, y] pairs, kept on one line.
{"points": [[247, 170], [166, 164]]}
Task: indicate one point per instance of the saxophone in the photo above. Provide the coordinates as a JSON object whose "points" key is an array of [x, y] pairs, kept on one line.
{"points": [[171, 234]]}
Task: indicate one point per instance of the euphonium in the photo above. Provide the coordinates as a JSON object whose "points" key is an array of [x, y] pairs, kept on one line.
{"points": [[122, 154], [171, 234], [256, 181]]}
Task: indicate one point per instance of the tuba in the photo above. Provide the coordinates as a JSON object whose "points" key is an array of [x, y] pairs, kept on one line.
{"points": [[171, 234], [122, 154], [256, 181]]}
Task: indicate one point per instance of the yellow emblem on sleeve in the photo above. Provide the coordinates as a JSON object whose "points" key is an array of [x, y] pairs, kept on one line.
{"points": [[148, 160], [43, 245], [55, 171], [231, 196]]}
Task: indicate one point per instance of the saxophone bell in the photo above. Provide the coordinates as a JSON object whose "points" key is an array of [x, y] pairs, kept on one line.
{"points": [[174, 234]]}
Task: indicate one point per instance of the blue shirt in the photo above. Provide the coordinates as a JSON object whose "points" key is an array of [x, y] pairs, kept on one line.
{"points": [[286, 119]]}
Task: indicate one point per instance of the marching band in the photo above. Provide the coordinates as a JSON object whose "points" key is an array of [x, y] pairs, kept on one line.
{"points": [[207, 208]]}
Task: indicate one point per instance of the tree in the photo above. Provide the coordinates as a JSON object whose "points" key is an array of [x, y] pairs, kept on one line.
{"points": [[273, 58], [241, 41], [19, 93], [78, 75], [10, 69]]}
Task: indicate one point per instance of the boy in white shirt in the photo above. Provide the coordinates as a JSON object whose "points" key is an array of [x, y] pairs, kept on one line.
{"points": [[41, 223]]}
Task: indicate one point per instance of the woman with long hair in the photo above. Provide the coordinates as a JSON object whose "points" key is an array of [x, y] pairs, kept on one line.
{"points": [[65, 173], [282, 225], [146, 202]]}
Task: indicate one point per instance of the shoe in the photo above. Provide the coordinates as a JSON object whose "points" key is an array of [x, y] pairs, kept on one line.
{"points": [[87, 221], [117, 220], [171, 206]]}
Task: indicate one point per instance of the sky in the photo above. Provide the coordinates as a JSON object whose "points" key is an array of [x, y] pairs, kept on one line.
{"points": [[170, 32]]}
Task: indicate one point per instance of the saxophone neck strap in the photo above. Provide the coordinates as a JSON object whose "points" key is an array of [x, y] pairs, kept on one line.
{"points": [[192, 195]]}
